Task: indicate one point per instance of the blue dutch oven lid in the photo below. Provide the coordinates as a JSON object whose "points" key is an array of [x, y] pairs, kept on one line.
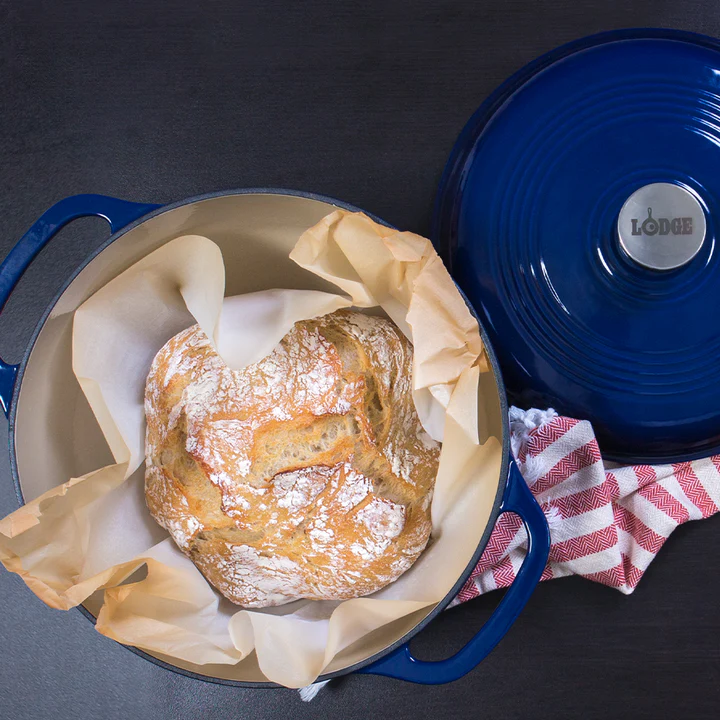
{"points": [[578, 212]]}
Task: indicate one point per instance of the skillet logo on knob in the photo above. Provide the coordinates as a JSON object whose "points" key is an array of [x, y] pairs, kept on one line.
{"points": [[662, 226]]}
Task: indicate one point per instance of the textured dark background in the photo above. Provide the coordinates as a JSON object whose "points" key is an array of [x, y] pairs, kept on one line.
{"points": [[156, 101]]}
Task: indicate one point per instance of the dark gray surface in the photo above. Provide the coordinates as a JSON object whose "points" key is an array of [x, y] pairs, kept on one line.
{"points": [[156, 101]]}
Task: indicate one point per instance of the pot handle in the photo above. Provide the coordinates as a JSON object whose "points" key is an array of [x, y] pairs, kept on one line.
{"points": [[402, 665], [118, 213]]}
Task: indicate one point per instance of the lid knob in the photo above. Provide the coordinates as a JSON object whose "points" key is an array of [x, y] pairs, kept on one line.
{"points": [[661, 226]]}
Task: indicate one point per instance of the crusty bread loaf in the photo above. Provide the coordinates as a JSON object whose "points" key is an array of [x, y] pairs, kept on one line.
{"points": [[305, 475]]}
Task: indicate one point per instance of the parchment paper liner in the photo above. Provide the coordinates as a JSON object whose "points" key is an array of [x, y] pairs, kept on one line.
{"points": [[94, 532]]}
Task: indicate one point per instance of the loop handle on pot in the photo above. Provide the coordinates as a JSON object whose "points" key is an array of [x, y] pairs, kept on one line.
{"points": [[118, 213], [402, 665]]}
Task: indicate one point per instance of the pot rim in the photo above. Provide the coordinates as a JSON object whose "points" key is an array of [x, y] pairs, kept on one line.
{"points": [[492, 359]]}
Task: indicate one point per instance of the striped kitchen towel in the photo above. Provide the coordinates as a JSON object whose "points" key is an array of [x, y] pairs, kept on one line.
{"points": [[607, 523]]}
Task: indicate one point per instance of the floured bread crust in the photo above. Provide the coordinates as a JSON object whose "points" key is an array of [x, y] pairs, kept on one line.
{"points": [[304, 475]]}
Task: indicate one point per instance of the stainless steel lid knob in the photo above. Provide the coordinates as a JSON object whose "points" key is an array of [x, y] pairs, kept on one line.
{"points": [[661, 226]]}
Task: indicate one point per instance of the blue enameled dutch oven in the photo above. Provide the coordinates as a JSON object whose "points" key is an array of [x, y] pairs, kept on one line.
{"points": [[578, 213], [53, 435]]}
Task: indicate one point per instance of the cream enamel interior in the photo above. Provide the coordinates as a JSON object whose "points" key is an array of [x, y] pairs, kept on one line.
{"points": [[56, 435]]}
